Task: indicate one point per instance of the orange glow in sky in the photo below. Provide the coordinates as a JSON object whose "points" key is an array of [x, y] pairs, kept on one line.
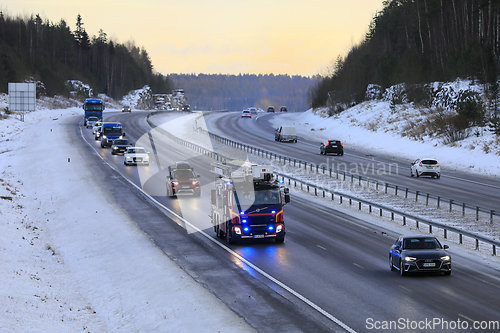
{"points": [[295, 37]]}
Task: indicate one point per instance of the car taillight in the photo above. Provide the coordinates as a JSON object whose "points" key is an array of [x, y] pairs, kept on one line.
{"points": [[327, 144], [342, 145], [420, 164], [437, 164]]}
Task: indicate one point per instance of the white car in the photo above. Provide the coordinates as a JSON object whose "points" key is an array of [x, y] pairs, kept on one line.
{"points": [[96, 127], [246, 114], [426, 167], [136, 156]]}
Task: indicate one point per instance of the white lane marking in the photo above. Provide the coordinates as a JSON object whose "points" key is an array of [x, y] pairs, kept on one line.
{"points": [[470, 181], [358, 265], [408, 290], [321, 247], [470, 320], [239, 257]]}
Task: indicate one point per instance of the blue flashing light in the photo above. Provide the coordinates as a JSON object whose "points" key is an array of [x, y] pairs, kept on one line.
{"points": [[271, 228], [246, 229], [228, 183], [281, 181], [242, 213], [273, 212], [244, 221]]}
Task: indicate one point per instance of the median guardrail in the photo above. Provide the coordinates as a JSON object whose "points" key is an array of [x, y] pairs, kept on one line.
{"points": [[346, 175], [308, 186]]}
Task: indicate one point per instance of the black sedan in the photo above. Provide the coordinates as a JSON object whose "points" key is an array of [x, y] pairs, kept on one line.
{"points": [[332, 147], [119, 146], [419, 254]]}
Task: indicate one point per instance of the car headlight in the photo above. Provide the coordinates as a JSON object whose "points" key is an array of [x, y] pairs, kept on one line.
{"points": [[194, 182], [445, 258], [175, 183], [407, 258], [279, 227]]}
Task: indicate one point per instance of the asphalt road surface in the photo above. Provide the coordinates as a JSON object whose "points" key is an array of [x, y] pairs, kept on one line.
{"points": [[332, 269]]}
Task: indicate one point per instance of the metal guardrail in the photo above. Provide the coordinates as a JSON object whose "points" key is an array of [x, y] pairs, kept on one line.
{"points": [[405, 216], [396, 188]]}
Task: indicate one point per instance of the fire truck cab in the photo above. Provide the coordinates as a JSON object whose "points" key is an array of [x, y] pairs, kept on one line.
{"points": [[247, 203]]}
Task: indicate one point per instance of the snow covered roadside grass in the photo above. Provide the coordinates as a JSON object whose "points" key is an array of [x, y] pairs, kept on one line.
{"points": [[373, 127], [72, 259]]}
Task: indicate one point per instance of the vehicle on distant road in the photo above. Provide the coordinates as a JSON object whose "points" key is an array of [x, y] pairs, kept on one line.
{"points": [[246, 114], [91, 121], [285, 133], [332, 147], [253, 110], [270, 109], [95, 127], [419, 254], [119, 146], [92, 107], [283, 109], [110, 132], [98, 132], [186, 108], [425, 167], [182, 180], [126, 108], [136, 156]]}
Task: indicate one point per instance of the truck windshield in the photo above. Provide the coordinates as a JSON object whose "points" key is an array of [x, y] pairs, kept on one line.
{"points": [[93, 107], [112, 131], [268, 196]]}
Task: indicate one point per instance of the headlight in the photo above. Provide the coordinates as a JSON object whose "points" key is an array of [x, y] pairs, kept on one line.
{"points": [[104, 137], [237, 230], [279, 228], [175, 183], [194, 182], [445, 258], [410, 258]]}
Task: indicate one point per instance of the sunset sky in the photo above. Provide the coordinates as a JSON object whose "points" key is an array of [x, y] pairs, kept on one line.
{"points": [[302, 37]]}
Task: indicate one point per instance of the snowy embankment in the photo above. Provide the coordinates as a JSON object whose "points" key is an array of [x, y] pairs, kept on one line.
{"points": [[72, 259], [373, 127]]}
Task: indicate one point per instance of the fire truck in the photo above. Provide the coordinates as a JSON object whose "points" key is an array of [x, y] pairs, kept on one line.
{"points": [[247, 203]]}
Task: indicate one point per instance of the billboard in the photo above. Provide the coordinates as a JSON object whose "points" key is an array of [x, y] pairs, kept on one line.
{"points": [[22, 96]]}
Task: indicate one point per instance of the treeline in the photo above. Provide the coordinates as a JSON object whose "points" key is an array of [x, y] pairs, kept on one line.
{"points": [[419, 41], [53, 53], [237, 92]]}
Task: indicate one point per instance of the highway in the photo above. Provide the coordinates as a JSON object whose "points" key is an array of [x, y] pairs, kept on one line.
{"points": [[459, 186], [332, 269]]}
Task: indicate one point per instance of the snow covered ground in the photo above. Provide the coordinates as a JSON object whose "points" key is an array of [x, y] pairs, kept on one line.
{"points": [[373, 127], [64, 269], [67, 264]]}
